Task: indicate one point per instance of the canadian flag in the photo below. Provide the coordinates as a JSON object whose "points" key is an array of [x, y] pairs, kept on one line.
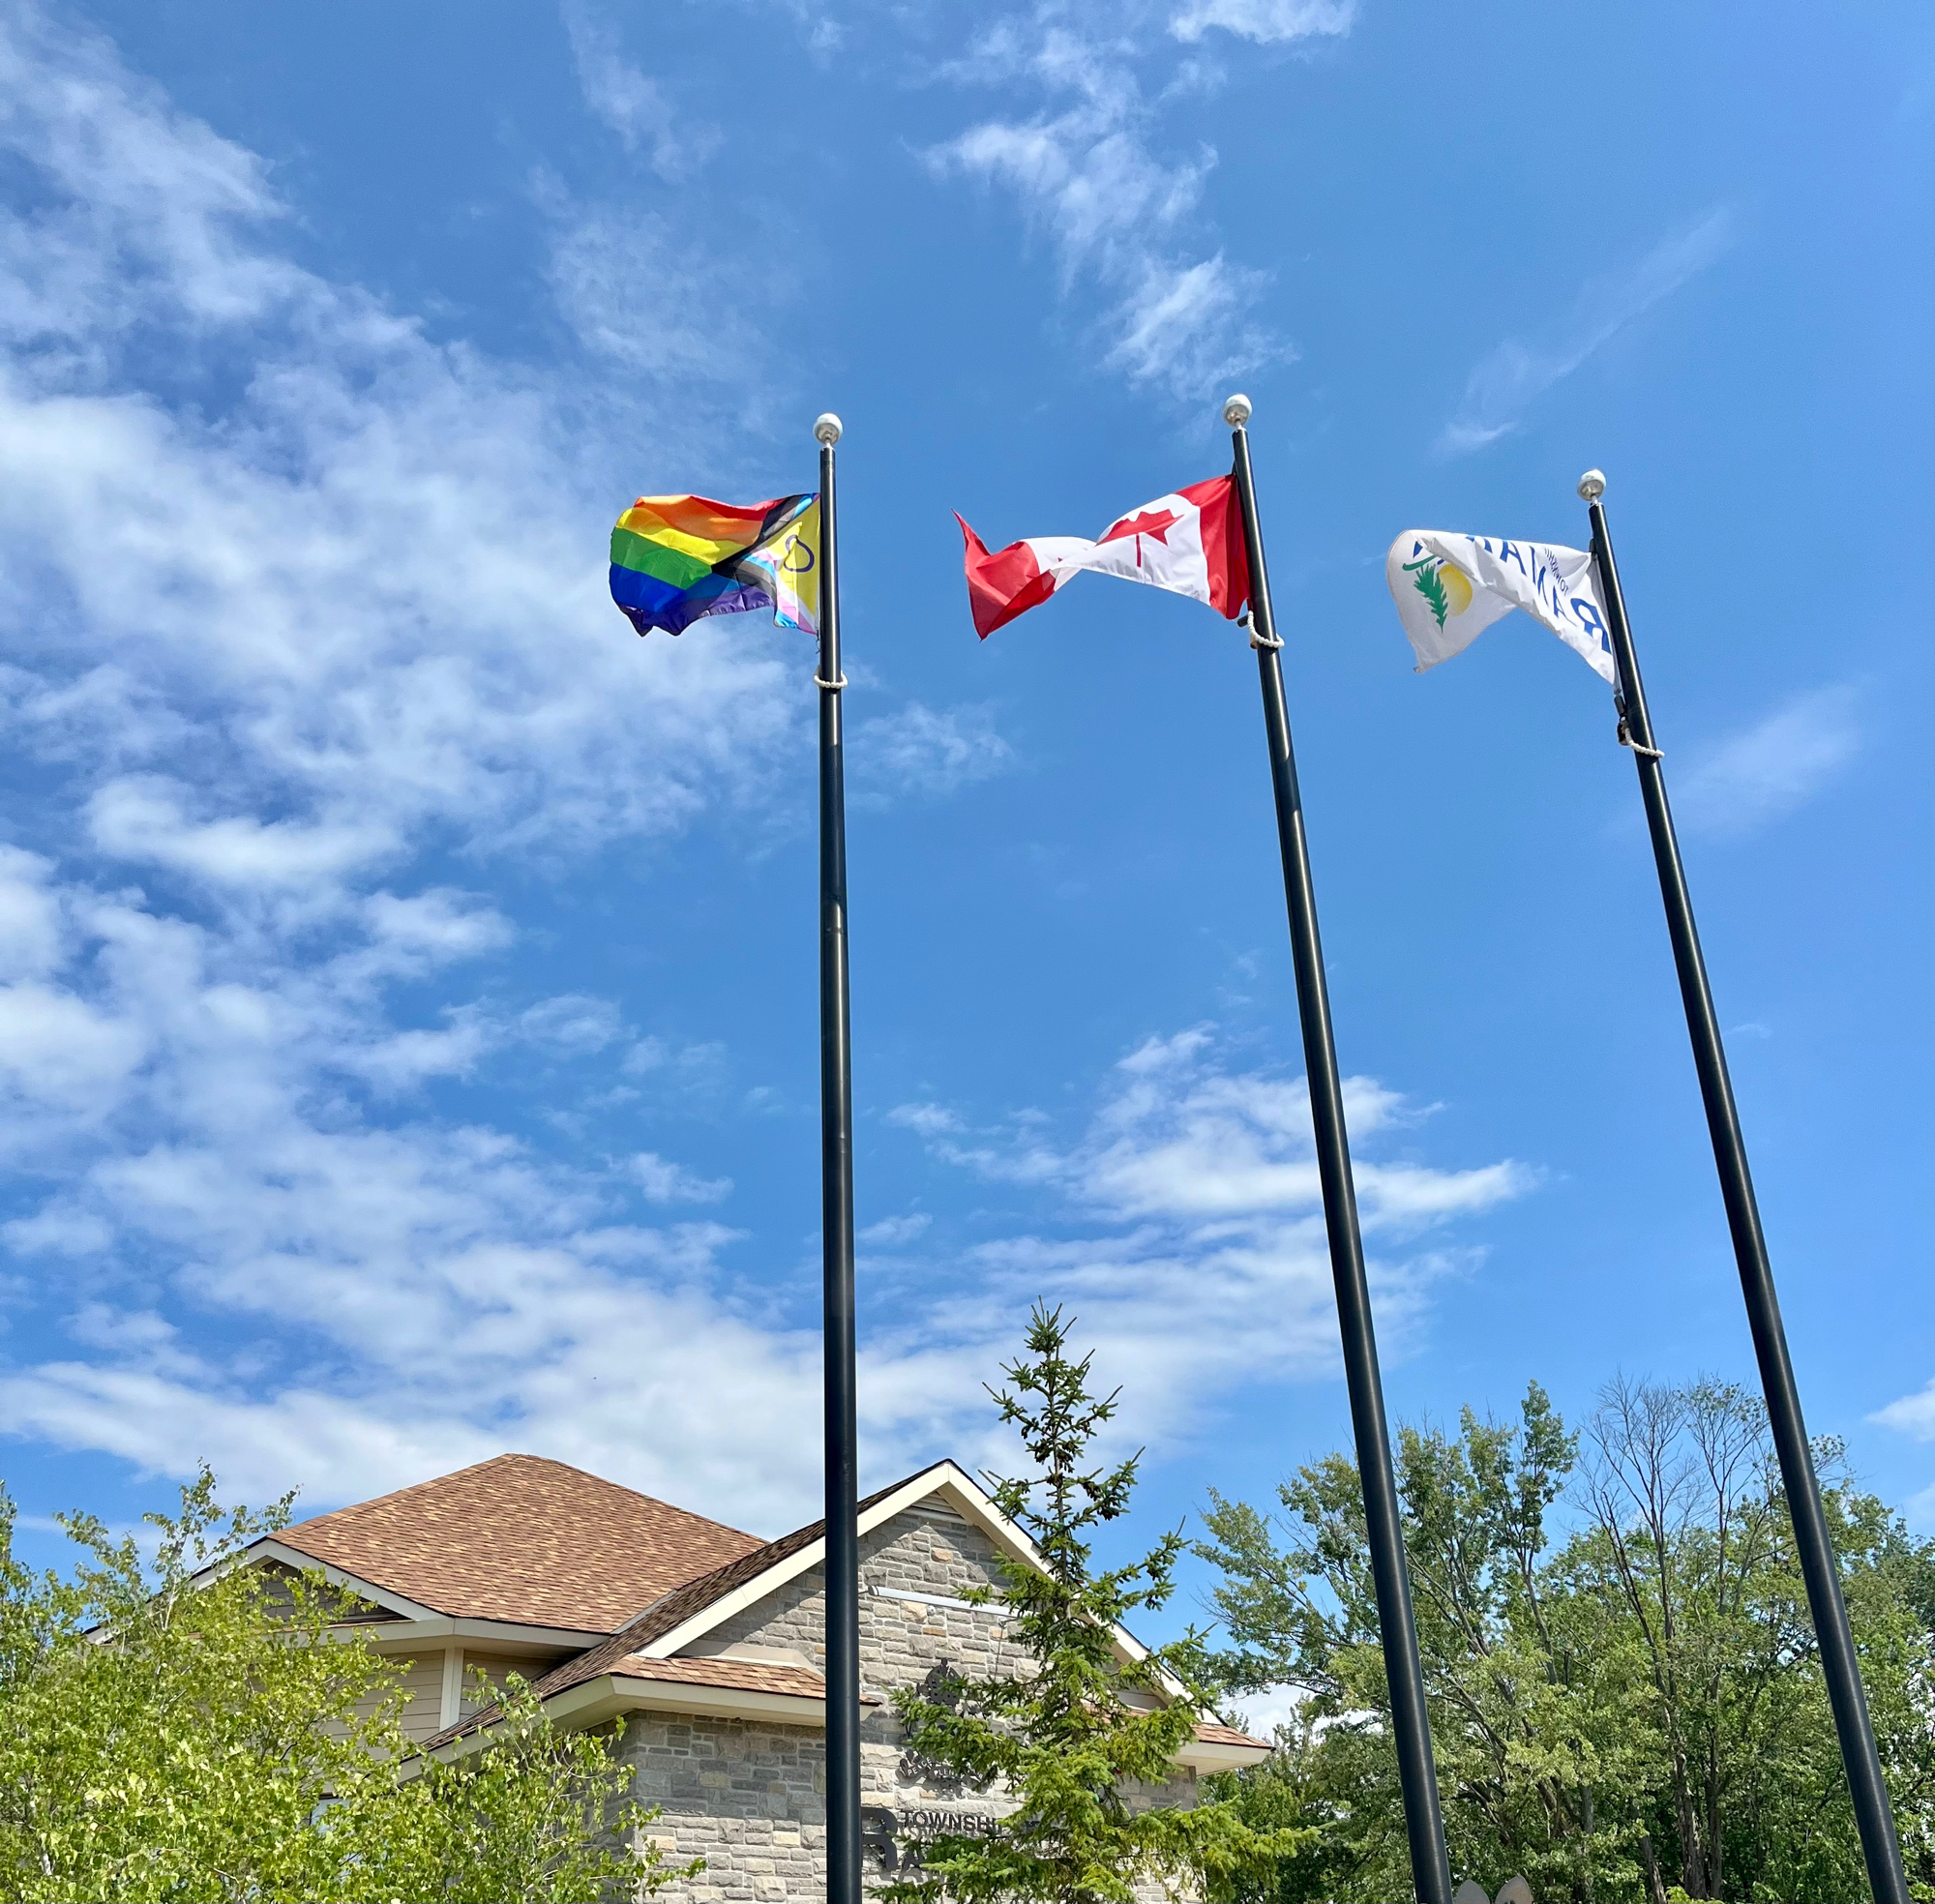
{"points": [[1191, 542]]}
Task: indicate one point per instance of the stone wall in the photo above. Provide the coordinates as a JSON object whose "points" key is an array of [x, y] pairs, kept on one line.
{"points": [[749, 1798]]}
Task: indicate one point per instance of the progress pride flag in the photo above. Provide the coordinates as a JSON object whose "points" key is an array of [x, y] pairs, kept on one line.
{"points": [[1191, 542]]}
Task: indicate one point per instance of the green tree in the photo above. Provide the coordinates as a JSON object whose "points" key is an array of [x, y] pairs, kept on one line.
{"points": [[536, 1814], [179, 1729], [1622, 1705], [1071, 1738]]}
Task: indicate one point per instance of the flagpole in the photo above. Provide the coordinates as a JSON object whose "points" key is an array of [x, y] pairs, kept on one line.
{"points": [[1880, 1846], [836, 1169], [1424, 1822]]}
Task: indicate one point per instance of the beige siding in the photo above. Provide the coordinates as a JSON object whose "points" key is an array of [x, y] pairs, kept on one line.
{"points": [[497, 1668], [422, 1687], [423, 1692], [277, 1598]]}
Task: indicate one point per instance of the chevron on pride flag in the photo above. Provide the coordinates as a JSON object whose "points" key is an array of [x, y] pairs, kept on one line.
{"points": [[1190, 542]]}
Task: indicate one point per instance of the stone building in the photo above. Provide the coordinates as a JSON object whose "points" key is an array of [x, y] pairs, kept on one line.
{"points": [[707, 1644]]}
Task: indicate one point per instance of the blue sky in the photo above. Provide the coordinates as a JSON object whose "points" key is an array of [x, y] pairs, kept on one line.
{"points": [[408, 1039]]}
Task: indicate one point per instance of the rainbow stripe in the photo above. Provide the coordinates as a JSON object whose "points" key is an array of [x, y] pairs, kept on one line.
{"points": [[675, 559]]}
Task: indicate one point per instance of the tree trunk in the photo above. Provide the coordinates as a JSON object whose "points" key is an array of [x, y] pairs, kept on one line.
{"points": [[1692, 1859], [1655, 1886]]}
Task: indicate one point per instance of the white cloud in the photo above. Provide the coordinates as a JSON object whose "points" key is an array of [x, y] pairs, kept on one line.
{"points": [[571, 1023], [234, 647], [1209, 1267], [1188, 324], [665, 1182], [1117, 214], [58, 1051], [1913, 1415], [1767, 771], [141, 818], [1506, 382], [407, 1059], [1267, 22], [409, 935], [640, 296], [920, 749], [1179, 1138], [267, 588], [31, 930], [893, 1232], [929, 1119], [633, 106], [1262, 1713]]}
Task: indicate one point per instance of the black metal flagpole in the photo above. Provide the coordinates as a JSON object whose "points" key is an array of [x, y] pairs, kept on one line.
{"points": [[1873, 1814], [1424, 1822], [836, 1168]]}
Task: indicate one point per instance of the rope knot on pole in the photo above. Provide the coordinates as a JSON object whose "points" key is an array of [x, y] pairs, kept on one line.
{"points": [[1248, 620]]}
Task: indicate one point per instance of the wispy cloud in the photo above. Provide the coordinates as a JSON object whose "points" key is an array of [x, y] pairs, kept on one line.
{"points": [[637, 294], [633, 106], [1768, 770], [665, 1182], [1913, 1414], [1197, 1251], [1266, 23], [571, 1025], [918, 749], [1121, 215], [1509, 380], [257, 1232], [234, 651], [1178, 1136]]}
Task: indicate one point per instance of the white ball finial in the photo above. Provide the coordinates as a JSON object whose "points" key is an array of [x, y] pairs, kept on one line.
{"points": [[826, 429], [1593, 485], [1236, 410]]}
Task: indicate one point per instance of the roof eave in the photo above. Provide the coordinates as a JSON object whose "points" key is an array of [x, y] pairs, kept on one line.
{"points": [[613, 1694], [1222, 1755], [257, 1552], [508, 1636]]}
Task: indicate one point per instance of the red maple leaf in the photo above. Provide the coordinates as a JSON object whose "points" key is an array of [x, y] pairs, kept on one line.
{"points": [[1154, 522]]}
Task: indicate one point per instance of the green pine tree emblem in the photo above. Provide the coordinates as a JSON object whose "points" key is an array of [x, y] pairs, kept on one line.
{"points": [[1424, 578]]}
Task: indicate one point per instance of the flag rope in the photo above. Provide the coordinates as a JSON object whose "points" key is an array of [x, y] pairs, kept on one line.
{"points": [[1644, 752]]}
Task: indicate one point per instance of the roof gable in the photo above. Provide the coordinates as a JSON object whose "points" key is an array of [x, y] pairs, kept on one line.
{"points": [[692, 1609], [523, 1540], [646, 1647]]}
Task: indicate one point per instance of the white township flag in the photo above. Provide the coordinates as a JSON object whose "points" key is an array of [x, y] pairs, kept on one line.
{"points": [[1450, 588]]}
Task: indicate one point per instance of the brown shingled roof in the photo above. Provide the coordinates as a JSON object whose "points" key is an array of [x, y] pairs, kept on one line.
{"points": [[1215, 1733], [615, 1654], [523, 1539], [739, 1675]]}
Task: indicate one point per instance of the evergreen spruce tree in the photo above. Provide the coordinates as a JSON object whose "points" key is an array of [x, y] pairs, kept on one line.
{"points": [[1071, 1738]]}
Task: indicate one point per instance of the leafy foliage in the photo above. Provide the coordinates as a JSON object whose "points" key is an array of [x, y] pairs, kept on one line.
{"points": [[170, 1733], [533, 1815], [1424, 578], [1626, 1706], [1077, 1744]]}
